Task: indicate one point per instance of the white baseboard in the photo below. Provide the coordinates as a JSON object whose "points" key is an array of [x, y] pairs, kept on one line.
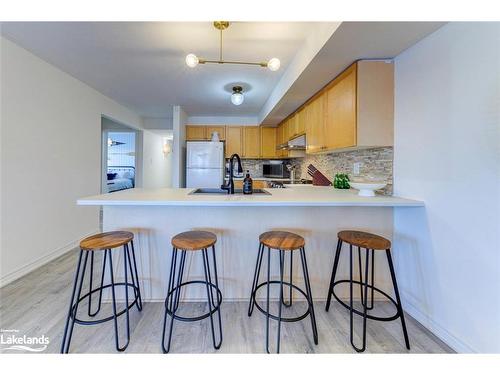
{"points": [[27, 268], [442, 333]]}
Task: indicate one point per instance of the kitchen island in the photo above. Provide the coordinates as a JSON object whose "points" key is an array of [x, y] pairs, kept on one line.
{"points": [[316, 213]]}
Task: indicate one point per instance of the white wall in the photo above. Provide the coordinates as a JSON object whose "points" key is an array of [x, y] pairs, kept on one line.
{"points": [[180, 119], [446, 153], [157, 167], [50, 156], [157, 123]]}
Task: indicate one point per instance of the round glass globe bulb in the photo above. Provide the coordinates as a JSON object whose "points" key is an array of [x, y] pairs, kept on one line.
{"points": [[237, 98], [274, 64], [192, 60]]}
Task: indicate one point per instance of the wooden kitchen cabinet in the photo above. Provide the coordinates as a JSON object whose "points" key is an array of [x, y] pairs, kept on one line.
{"points": [[296, 124], [292, 126], [357, 110], [219, 129], [196, 133], [301, 121], [315, 125], [268, 142], [251, 142], [341, 111], [286, 125], [234, 140]]}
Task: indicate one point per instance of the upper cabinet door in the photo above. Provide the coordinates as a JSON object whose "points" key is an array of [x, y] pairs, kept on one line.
{"points": [[196, 133], [219, 129], [341, 111], [234, 141], [251, 142], [293, 126], [268, 142], [301, 121], [315, 124]]}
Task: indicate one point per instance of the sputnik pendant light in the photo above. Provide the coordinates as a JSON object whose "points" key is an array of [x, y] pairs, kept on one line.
{"points": [[192, 60]]}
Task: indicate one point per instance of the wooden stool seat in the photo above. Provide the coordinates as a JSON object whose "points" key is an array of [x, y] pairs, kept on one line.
{"points": [[364, 239], [194, 240], [106, 240], [282, 240]]}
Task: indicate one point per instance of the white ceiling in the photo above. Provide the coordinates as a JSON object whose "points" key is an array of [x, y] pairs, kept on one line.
{"points": [[141, 65]]}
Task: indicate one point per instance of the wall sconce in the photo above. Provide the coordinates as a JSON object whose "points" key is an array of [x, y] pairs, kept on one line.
{"points": [[167, 147]]}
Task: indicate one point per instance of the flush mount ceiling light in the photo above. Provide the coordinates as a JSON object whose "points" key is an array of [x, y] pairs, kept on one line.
{"points": [[192, 60], [237, 95]]}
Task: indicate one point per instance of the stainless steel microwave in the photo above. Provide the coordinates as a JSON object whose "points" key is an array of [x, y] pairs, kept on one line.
{"points": [[275, 169]]}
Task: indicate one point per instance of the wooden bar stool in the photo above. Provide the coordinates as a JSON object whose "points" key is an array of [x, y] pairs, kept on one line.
{"points": [[103, 242], [283, 242], [184, 242], [369, 242]]}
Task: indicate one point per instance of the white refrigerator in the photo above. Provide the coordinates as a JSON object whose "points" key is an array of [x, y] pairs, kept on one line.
{"points": [[204, 164]]}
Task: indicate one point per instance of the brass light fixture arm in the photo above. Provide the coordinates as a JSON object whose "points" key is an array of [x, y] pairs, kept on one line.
{"points": [[203, 61], [221, 26]]}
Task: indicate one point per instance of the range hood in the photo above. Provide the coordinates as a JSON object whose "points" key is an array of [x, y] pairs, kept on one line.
{"points": [[298, 143]]}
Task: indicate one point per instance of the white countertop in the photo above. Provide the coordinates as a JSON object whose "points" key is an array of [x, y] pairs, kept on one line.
{"points": [[300, 196]]}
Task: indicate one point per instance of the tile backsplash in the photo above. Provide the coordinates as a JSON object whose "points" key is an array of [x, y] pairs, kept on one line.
{"points": [[252, 165], [375, 162]]}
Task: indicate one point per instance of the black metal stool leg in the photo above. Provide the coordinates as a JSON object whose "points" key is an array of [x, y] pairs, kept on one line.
{"points": [[309, 294], [363, 303], [334, 273], [172, 303], [181, 275], [210, 296], [90, 284], [290, 286], [361, 284], [217, 287], [267, 297], [360, 269], [171, 277], [134, 276], [398, 299], [209, 277], [260, 255], [65, 343], [115, 316], [282, 263]]}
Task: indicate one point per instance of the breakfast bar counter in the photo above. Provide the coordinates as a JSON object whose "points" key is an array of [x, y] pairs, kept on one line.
{"points": [[316, 213], [299, 195]]}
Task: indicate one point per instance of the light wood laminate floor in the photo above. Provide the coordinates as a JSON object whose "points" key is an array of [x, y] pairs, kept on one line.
{"points": [[37, 304]]}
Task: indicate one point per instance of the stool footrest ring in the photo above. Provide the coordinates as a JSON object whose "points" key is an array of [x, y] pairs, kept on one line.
{"points": [[360, 313], [283, 319], [92, 322], [195, 318]]}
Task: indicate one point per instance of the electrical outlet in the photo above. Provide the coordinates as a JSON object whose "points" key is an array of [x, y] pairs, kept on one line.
{"points": [[356, 168]]}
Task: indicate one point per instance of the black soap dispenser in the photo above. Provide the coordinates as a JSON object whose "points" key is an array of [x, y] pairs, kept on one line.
{"points": [[247, 184]]}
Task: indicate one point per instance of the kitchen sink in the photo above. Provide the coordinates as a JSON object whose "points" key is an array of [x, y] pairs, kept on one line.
{"points": [[224, 192]]}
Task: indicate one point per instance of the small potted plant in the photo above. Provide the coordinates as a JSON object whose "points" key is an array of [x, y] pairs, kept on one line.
{"points": [[341, 181]]}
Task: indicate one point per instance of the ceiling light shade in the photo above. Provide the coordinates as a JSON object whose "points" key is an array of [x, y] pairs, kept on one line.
{"points": [[237, 96], [274, 64], [192, 60]]}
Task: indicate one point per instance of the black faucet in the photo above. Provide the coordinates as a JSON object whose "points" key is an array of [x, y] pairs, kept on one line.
{"points": [[230, 184]]}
